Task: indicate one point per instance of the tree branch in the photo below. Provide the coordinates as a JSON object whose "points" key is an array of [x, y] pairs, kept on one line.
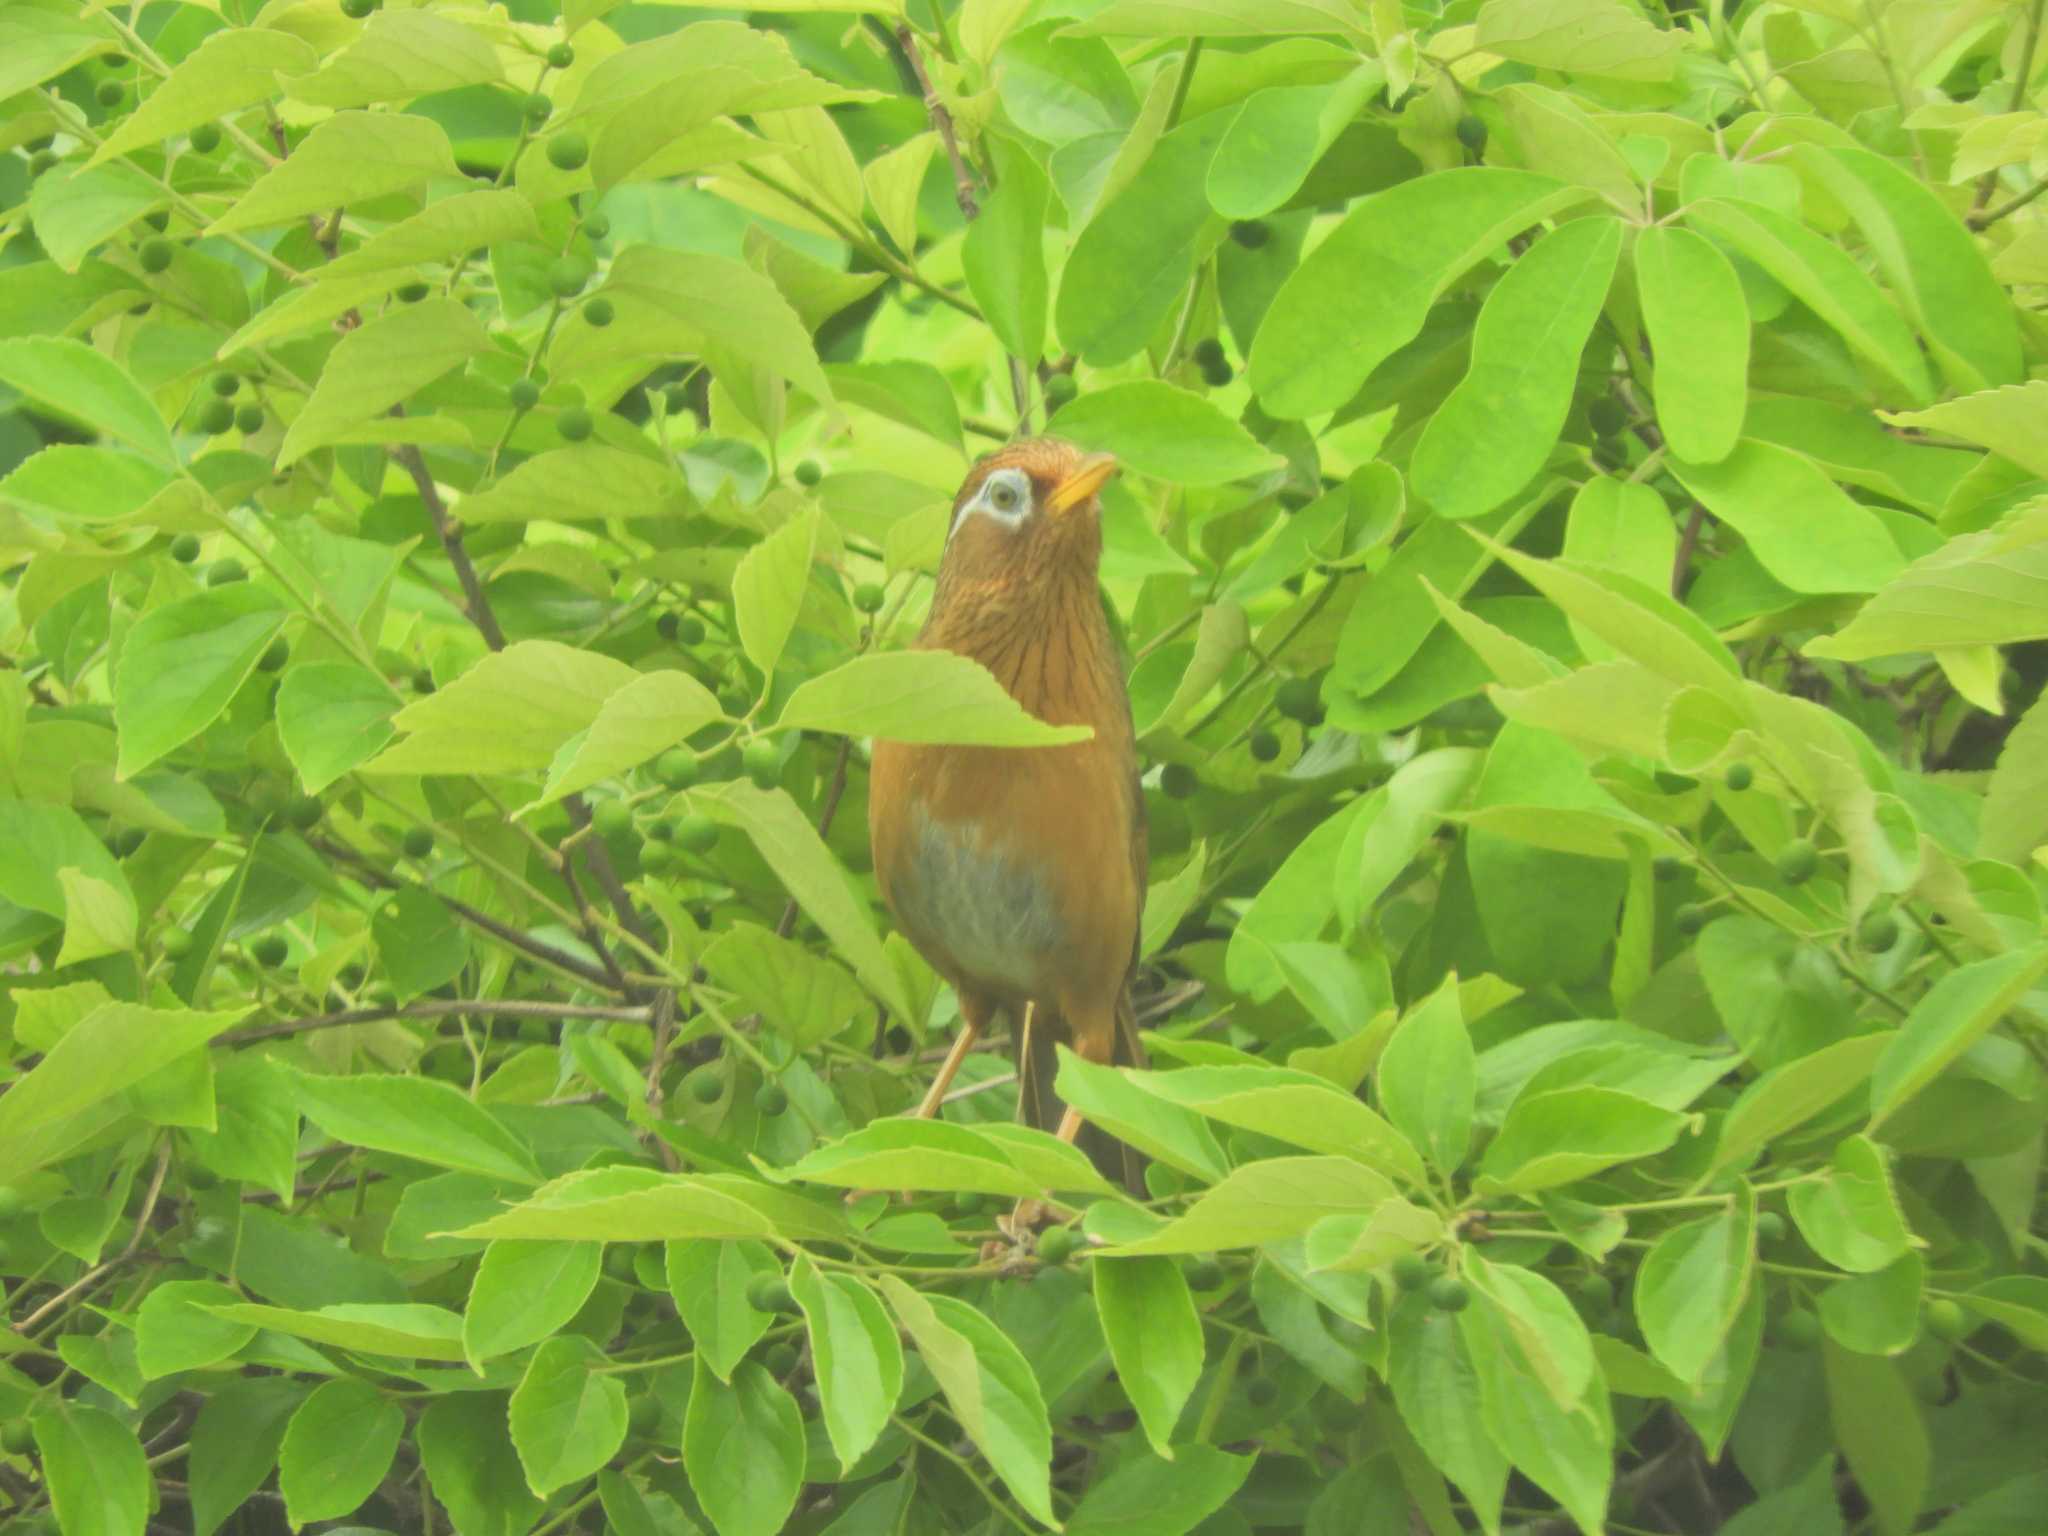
{"points": [[963, 178], [513, 1008]]}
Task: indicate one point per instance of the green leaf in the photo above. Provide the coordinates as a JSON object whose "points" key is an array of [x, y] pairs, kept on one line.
{"points": [[1799, 524], [1491, 436], [1436, 1387], [1276, 139], [1559, 1137], [1427, 1079], [1265, 1202], [380, 365], [1580, 37], [415, 1117], [925, 696], [419, 941], [902, 1153], [652, 713], [1366, 290], [989, 1386], [1849, 1214], [234, 1445], [584, 483], [76, 381], [1878, 1426], [1693, 1283], [1956, 1012], [1979, 589], [1003, 255], [743, 1448], [2015, 819], [805, 996], [174, 1332], [336, 1450], [399, 55], [855, 1355], [523, 1292], [785, 838], [1876, 1313], [568, 1417], [2005, 420], [1222, 18], [1157, 429], [635, 1205], [472, 1467], [332, 717], [768, 589], [1155, 1339], [228, 71], [510, 713], [77, 209], [1159, 1495], [1132, 262], [1110, 1098], [37, 44], [94, 1469], [1295, 1107], [350, 157], [403, 1331], [183, 662], [1697, 322], [708, 1282], [1827, 280], [1787, 1096]]}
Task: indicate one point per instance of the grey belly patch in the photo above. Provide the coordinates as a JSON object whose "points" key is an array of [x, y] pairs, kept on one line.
{"points": [[992, 912]]}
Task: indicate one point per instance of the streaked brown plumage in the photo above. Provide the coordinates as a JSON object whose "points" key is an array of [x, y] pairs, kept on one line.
{"points": [[1019, 873]]}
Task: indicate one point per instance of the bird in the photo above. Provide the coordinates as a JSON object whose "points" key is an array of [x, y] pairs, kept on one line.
{"points": [[1019, 872]]}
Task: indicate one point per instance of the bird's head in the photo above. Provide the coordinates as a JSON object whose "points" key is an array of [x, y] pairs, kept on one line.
{"points": [[1027, 507]]}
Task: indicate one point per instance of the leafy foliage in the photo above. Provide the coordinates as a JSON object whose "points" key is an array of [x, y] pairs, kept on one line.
{"points": [[468, 476]]}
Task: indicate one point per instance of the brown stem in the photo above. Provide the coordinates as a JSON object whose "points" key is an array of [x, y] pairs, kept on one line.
{"points": [[450, 535], [512, 1008], [2011, 206], [942, 120], [833, 790], [1681, 563], [664, 1037]]}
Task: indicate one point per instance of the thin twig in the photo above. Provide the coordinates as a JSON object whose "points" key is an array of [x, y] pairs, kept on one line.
{"points": [[92, 1276], [450, 535], [664, 1037], [511, 1008], [1681, 563], [2012, 206], [963, 178]]}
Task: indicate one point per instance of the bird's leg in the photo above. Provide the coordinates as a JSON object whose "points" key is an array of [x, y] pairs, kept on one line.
{"points": [[935, 1095]]}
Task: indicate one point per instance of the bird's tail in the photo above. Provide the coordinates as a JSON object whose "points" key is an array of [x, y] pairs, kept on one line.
{"points": [[1038, 1105]]}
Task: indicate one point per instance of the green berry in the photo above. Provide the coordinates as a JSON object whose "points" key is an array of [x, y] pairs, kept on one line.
{"points": [[868, 597], [596, 227], [561, 56], [1208, 353], [1877, 932], [274, 655], [1412, 1272], [772, 1099], [769, 1292], [657, 858], [618, 1260], [356, 10], [1945, 1320], [1770, 1227], [537, 109], [1691, 918], [185, 548], [176, 943], [696, 834], [1260, 1390], [1606, 416], [1798, 1329], [523, 394], [1739, 777], [1472, 133], [16, 1438], [269, 951], [1447, 1293], [1797, 861], [418, 842], [691, 631], [574, 424], [568, 151], [1204, 1274], [1056, 1245], [206, 138], [222, 572], [567, 277], [1300, 698], [612, 818], [1177, 781], [668, 625], [735, 700], [224, 384], [1264, 746], [249, 419], [215, 417], [304, 811], [410, 293], [1250, 233], [422, 680], [780, 1359], [1059, 389], [599, 312], [110, 93], [1597, 1292], [707, 1085], [763, 762], [1664, 867], [809, 472], [677, 768]]}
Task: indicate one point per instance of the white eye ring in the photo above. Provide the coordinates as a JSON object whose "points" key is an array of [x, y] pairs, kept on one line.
{"points": [[1004, 498]]}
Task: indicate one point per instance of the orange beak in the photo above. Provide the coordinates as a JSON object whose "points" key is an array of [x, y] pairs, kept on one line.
{"points": [[1083, 483]]}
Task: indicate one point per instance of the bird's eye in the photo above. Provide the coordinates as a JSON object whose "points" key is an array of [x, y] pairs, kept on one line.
{"points": [[1003, 496]]}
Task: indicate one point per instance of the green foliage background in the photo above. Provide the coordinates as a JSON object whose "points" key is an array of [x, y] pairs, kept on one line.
{"points": [[469, 476]]}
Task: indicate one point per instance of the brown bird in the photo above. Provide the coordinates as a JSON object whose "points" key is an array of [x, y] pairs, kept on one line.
{"points": [[1019, 872]]}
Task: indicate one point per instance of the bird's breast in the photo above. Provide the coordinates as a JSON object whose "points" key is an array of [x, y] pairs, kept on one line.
{"points": [[991, 909]]}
